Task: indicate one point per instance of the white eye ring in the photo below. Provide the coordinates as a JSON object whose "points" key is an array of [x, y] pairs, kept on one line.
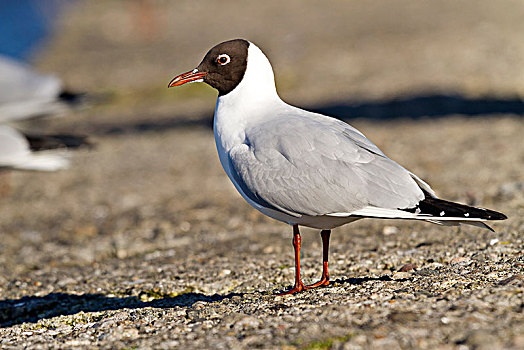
{"points": [[223, 59]]}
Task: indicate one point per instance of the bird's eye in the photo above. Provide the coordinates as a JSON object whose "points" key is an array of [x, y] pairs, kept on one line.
{"points": [[223, 59]]}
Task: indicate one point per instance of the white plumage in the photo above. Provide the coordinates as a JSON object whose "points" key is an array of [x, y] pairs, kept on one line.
{"points": [[15, 153], [25, 93]]}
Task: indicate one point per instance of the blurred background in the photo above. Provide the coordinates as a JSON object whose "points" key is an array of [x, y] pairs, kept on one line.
{"points": [[347, 53], [438, 85], [148, 212]]}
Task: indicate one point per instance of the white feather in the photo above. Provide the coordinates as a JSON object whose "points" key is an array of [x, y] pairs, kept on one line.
{"points": [[385, 213], [16, 154]]}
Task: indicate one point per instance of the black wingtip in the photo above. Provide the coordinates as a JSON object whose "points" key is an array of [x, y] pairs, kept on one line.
{"points": [[489, 228], [497, 216], [437, 207], [487, 214], [72, 98]]}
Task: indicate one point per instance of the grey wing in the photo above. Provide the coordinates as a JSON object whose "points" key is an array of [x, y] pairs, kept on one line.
{"points": [[318, 165]]}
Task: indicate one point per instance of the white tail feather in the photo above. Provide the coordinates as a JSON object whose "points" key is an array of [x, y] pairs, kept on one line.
{"points": [[385, 213], [42, 162]]}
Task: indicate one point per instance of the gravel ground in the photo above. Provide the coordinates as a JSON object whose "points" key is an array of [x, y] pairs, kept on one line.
{"points": [[144, 243], [173, 257]]}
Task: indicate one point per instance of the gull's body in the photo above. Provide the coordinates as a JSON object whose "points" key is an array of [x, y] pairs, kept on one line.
{"points": [[302, 167], [26, 94], [305, 168]]}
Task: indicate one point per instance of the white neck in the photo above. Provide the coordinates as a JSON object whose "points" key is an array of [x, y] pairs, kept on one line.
{"points": [[248, 102], [258, 83]]}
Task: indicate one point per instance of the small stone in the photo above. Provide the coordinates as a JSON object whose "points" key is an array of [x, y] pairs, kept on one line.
{"points": [[224, 272], [407, 267], [459, 260], [403, 316], [510, 279], [131, 333], [121, 316], [389, 230], [493, 241], [185, 226], [401, 275]]}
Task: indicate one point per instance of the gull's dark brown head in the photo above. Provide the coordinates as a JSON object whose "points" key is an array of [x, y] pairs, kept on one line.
{"points": [[223, 67]]}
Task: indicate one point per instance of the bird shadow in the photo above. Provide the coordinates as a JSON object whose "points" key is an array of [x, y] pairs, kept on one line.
{"points": [[161, 124], [362, 280], [422, 106], [407, 107], [411, 107], [356, 281], [34, 308]]}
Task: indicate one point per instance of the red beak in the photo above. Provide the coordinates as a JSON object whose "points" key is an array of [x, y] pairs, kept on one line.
{"points": [[187, 77]]}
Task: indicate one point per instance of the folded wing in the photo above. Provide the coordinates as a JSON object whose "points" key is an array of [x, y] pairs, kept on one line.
{"points": [[308, 164]]}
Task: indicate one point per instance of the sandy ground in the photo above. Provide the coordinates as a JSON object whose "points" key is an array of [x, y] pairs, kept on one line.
{"points": [[144, 243]]}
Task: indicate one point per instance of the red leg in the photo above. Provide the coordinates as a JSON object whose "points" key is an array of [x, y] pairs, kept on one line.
{"points": [[324, 281], [299, 286]]}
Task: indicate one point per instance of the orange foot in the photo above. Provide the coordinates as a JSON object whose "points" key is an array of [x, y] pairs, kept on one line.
{"points": [[296, 289], [321, 283]]}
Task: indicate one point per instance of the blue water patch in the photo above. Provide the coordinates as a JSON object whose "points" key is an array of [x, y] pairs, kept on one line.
{"points": [[25, 24]]}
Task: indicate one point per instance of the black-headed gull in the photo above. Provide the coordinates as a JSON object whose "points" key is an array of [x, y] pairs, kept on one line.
{"points": [[305, 168], [25, 94]]}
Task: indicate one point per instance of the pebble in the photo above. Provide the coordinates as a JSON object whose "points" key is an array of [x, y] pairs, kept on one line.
{"points": [[459, 261], [389, 230], [407, 267], [493, 241]]}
